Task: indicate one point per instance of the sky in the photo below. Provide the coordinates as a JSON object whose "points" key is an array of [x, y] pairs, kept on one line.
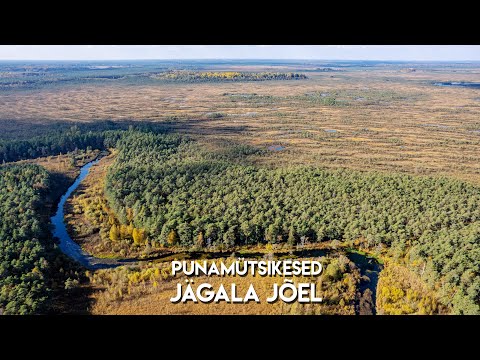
{"points": [[310, 52]]}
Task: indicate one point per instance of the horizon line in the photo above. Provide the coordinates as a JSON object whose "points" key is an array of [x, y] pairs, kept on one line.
{"points": [[241, 59]]}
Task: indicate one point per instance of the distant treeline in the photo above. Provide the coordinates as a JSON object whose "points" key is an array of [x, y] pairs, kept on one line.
{"points": [[36, 75], [195, 76]]}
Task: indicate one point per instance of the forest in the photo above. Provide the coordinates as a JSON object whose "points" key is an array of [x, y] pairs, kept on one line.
{"points": [[23, 249], [14, 77], [63, 138], [33, 272], [181, 195]]}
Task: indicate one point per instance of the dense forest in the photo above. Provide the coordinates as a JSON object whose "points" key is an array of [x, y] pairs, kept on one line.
{"points": [[182, 195], [33, 271], [24, 239], [62, 139], [194, 76]]}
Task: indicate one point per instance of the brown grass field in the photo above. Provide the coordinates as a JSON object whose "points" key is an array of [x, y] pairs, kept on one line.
{"points": [[393, 120]]}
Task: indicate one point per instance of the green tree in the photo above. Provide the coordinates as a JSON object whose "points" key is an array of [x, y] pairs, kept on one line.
{"points": [[229, 237], [291, 237]]}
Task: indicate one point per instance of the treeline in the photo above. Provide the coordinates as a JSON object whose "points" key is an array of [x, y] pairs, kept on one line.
{"points": [[195, 76], [99, 135], [182, 197], [48, 145]]}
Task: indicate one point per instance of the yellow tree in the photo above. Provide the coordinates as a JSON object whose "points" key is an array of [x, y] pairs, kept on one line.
{"points": [[114, 233], [172, 237], [126, 231], [129, 230], [138, 236], [123, 231]]}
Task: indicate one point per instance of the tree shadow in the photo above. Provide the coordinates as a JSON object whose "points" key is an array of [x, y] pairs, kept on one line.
{"points": [[76, 301]]}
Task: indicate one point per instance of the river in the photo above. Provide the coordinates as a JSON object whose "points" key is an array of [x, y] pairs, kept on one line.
{"points": [[370, 271], [67, 245], [368, 266]]}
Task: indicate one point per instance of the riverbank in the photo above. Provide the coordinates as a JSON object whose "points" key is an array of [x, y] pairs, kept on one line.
{"points": [[59, 230], [364, 266]]}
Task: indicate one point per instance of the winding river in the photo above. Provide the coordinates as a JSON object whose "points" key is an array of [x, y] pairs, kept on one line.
{"points": [[368, 266], [67, 245]]}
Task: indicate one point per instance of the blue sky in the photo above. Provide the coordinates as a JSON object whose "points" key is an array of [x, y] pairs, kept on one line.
{"points": [[321, 52]]}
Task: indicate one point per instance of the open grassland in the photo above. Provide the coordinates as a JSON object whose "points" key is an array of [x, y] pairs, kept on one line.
{"points": [[377, 118]]}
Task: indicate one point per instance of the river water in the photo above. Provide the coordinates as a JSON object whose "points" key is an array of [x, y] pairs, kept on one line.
{"points": [[370, 271], [459, 84], [67, 245]]}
